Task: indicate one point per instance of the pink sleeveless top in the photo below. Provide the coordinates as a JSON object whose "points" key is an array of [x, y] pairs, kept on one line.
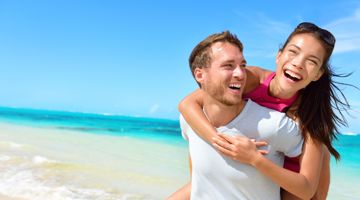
{"points": [[261, 96]]}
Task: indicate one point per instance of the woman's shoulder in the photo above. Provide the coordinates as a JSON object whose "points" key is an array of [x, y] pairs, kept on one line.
{"points": [[255, 77], [257, 73]]}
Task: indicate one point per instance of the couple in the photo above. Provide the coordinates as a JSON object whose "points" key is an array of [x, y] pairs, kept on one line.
{"points": [[302, 85]]}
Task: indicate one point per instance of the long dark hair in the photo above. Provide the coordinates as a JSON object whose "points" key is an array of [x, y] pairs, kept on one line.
{"points": [[320, 98]]}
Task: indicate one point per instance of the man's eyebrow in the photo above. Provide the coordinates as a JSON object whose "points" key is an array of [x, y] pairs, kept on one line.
{"points": [[233, 61], [229, 61]]}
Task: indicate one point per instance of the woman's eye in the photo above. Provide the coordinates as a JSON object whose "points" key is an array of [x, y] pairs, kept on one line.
{"points": [[313, 62]]}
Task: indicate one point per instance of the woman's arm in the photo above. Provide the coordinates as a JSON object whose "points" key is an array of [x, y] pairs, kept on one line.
{"points": [[191, 109], [324, 182], [303, 184]]}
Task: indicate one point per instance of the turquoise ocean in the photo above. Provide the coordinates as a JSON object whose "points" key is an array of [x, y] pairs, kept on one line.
{"points": [[55, 155]]}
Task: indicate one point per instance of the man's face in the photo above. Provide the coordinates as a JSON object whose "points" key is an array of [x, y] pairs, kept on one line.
{"points": [[224, 80]]}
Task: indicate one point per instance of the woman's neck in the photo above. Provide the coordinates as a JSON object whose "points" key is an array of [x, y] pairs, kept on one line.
{"points": [[275, 91]]}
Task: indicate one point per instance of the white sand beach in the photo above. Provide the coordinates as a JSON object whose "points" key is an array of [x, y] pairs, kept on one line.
{"points": [[58, 164], [2, 197], [54, 164]]}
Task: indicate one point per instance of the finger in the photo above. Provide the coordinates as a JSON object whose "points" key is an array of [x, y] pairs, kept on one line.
{"points": [[228, 138], [261, 143], [218, 137], [223, 151], [242, 137], [224, 144], [263, 152]]}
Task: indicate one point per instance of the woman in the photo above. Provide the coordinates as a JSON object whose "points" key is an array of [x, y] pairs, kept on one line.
{"points": [[302, 86]]}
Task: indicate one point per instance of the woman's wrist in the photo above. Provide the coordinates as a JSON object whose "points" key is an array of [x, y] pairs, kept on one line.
{"points": [[257, 160]]}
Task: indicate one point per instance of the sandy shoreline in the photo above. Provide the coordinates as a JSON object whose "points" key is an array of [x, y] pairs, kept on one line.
{"points": [[2, 197], [47, 163], [138, 168]]}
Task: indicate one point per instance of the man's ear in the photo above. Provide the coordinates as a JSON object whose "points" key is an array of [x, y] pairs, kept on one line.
{"points": [[199, 75]]}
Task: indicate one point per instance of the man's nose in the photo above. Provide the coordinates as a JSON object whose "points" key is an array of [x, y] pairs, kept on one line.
{"points": [[239, 72]]}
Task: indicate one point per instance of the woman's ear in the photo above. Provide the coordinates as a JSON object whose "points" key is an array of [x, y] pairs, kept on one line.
{"points": [[278, 57], [318, 75]]}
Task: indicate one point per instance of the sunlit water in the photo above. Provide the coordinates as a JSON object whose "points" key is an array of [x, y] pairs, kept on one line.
{"points": [[48, 155]]}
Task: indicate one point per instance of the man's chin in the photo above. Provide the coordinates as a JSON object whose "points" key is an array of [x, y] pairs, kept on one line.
{"points": [[231, 102]]}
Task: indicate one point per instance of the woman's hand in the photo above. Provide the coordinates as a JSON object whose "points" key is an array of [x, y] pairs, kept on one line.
{"points": [[239, 148]]}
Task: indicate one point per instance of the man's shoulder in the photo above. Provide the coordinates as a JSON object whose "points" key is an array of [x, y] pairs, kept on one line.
{"points": [[253, 106], [278, 119]]}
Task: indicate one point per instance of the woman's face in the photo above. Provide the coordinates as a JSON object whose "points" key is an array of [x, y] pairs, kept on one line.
{"points": [[299, 63]]}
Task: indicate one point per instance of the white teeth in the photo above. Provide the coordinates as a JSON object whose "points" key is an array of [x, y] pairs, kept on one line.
{"points": [[290, 73], [237, 86]]}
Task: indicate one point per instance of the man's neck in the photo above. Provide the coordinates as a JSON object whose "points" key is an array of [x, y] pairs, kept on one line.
{"points": [[220, 114]]}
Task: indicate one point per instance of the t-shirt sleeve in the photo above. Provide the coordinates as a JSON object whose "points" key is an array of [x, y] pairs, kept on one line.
{"points": [[184, 126], [290, 139]]}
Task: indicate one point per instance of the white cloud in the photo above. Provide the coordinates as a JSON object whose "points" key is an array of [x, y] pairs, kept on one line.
{"points": [[154, 108], [347, 32], [345, 29], [268, 26], [270, 31], [350, 133], [273, 27]]}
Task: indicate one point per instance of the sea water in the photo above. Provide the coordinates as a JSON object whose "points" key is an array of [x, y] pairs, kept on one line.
{"points": [[62, 155], [345, 173]]}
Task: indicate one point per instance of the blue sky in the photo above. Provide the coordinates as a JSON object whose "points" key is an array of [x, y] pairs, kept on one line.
{"points": [[130, 57]]}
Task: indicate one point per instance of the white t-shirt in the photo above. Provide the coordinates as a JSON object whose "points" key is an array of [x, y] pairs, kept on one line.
{"points": [[215, 176]]}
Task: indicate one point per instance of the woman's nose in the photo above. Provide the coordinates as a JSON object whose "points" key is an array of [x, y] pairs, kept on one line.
{"points": [[297, 62]]}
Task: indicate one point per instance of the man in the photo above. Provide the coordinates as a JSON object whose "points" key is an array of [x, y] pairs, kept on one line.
{"points": [[218, 65]]}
